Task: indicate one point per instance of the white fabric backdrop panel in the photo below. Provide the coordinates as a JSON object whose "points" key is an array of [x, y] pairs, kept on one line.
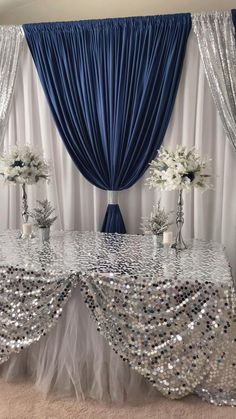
{"points": [[195, 122]]}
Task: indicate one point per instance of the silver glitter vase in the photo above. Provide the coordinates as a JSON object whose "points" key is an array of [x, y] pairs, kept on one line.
{"points": [[155, 240], [25, 212], [179, 241], [44, 233]]}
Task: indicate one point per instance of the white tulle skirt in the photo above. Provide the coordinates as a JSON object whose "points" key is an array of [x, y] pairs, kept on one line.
{"points": [[75, 360]]}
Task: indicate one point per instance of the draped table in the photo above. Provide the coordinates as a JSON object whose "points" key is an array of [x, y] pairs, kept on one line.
{"points": [[117, 317]]}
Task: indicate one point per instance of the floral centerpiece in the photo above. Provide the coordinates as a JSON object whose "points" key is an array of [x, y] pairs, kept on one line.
{"points": [[158, 222], [23, 166], [180, 170]]}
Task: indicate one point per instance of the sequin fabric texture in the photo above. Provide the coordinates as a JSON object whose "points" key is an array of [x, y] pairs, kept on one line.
{"points": [[170, 315], [216, 40], [11, 45]]}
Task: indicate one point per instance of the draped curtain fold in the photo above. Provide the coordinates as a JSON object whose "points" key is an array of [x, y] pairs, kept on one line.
{"points": [[10, 49], [216, 40], [111, 86]]}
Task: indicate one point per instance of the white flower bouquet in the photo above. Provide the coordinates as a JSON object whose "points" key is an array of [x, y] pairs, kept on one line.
{"points": [[23, 166], [181, 169]]}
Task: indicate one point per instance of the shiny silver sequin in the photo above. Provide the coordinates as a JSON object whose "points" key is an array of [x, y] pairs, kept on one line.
{"points": [[216, 40], [168, 314], [11, 44]]}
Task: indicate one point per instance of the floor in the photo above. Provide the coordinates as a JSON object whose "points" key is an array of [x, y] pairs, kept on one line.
{"points": [[24, 401]]}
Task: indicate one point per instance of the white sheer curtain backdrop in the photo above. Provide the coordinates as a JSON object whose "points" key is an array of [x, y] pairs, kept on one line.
{"points": [[195, 122]]}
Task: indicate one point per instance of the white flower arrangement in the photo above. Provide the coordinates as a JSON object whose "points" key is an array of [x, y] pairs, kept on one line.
{"points": [[158, 222], [179, 169], [23, 166]]}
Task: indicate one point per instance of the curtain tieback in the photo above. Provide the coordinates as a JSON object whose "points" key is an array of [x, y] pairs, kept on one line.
{"points": [[113, 197]]}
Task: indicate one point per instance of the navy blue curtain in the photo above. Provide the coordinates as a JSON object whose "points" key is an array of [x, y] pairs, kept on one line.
{"points": [[234, 17], [111, 86]]}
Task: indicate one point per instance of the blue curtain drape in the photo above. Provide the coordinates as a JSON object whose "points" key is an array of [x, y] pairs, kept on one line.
{"points": [[111, 86], [234, 18]]}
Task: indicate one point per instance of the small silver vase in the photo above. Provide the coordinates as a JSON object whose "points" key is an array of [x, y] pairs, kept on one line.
{"points": [[44, 233], [179, 241]]}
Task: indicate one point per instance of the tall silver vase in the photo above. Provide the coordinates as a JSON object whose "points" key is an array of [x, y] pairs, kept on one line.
{"points": [[179, 241], [25, 211]]}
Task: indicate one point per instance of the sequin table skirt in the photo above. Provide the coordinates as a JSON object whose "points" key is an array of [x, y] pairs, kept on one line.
{"points": [[168, 316], [73, 359]]}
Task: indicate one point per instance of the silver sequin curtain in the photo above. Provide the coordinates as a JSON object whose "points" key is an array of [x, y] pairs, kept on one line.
{"points": [[216, 41], [10, 48]]}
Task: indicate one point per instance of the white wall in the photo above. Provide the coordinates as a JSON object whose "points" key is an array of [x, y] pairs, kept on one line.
{"points": [[22, 11]]}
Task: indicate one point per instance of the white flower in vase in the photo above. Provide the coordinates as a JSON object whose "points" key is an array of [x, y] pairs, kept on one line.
{"points": [[180, 170], [25, 167]]}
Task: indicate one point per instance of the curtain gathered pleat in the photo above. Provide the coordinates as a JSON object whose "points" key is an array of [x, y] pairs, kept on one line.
{"points": [[216, 40], [10, 49], [111, 86]]}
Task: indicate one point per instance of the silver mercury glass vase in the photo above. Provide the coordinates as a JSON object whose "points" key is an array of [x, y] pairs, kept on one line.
{"points": [[44, 233], [25, 212], [179, 241]]}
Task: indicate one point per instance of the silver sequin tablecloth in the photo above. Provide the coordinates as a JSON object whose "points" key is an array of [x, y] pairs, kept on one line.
{"points": [[169, 315]]}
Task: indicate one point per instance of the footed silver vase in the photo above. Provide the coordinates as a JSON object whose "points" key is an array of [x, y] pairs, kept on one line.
{"points": [[179, 241]]}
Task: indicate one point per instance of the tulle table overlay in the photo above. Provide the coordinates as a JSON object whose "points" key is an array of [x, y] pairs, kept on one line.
{"points": [[168, 314]]}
